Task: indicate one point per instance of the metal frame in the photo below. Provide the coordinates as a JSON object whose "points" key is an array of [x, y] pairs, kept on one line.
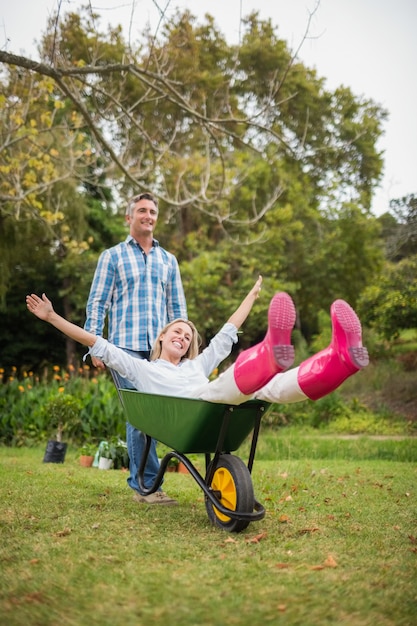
{"points": [[212, 463]]}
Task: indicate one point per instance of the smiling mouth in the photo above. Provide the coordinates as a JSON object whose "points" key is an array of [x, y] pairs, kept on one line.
{"points": [[176, 343]]}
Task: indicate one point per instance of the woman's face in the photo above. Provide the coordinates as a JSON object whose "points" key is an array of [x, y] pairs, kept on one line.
{"points": [[175, 342]]}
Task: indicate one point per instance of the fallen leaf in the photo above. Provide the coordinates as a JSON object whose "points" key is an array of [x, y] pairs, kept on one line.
{"points": [[317, 567], [257, 538], [305, 531], [230, 540], [284, 519], [63, 533], [282, 608], [34, 596], [282, 565], [330, 562]]}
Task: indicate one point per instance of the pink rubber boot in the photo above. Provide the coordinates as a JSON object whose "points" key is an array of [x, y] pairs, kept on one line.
{"points": [[325, 371], [255, 366]]}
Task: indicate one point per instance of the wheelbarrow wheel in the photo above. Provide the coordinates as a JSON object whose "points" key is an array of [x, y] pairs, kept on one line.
{"points": [[232, 483]]}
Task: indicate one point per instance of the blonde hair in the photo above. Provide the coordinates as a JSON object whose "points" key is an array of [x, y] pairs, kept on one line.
{"points": [[193, 348]]}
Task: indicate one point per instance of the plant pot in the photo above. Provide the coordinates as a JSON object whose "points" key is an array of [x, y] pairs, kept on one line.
{"points": [[181, 469], [86, 461], [105, 464], [55, 452]]}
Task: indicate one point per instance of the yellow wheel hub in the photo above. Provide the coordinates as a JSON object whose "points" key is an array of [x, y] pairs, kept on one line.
{"points": [[224, 483]]}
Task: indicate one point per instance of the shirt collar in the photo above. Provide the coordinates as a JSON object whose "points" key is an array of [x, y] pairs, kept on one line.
{"points": [[131, 240]]}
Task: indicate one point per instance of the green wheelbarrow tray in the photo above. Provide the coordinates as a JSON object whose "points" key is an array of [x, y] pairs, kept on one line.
{"points": [[196, 426], [188, 425]]}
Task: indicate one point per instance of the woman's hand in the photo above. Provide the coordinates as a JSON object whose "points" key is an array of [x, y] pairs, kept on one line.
{"points": [[256, 288], [41, 307], [243, 310]]}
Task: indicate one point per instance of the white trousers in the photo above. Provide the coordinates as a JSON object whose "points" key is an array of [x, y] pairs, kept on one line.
{"points": [[282, 389]]}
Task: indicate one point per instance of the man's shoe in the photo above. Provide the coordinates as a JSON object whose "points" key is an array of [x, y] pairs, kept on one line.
{"points": [[158, 497]]}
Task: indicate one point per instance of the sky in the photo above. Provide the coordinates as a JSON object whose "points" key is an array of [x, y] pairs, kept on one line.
{"points": [[369, 46]]}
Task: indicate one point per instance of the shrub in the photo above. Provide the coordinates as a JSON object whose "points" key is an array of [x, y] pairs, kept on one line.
{"points": [[62, 412], [25, 406]]}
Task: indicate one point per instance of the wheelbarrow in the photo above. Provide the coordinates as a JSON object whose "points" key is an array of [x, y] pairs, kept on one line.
{"points": [[189, 426]]}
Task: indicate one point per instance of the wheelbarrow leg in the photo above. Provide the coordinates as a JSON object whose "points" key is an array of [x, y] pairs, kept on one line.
{"points": [[141, 470]]}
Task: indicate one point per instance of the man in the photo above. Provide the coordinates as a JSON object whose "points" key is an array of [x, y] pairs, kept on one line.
{"points": [[138, 285]]}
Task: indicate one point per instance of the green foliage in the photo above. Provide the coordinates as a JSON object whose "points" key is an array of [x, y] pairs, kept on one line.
{"points": [[295, 443], [390, 304], [88, 449], [25, 406], [63, 412], [116, 450], [250, 154], [401, 232]]}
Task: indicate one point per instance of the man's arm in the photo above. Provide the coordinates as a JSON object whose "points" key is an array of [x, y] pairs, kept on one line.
{"points": [[176, 304], [99, 300], [42, 308], [243, 310], [100, 295]]}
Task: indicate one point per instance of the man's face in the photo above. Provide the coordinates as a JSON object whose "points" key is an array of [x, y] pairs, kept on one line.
{"points": [[143, 219]]}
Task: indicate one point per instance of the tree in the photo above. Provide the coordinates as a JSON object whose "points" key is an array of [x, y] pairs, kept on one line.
{"points": [[190, 93], [389, 304], [252, 158], [401, 238]]}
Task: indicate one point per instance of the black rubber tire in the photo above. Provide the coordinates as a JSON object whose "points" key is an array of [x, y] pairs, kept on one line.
{"points": [[233, 480]]}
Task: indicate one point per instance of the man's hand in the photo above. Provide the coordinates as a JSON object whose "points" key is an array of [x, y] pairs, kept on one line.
{"points": [[98, 363], [41, 307]]}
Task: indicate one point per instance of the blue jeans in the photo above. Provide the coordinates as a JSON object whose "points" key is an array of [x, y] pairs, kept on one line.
{"points": [[135, 440]]}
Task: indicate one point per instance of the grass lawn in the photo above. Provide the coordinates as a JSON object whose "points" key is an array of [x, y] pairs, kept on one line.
{"points": [[338, 546]]}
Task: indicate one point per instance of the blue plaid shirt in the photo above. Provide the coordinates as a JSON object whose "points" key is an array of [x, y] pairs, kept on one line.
{"points": [[140, 294]]}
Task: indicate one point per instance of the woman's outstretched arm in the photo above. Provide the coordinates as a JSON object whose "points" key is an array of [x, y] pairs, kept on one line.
{"points": [[243, 310], [42, 308]]}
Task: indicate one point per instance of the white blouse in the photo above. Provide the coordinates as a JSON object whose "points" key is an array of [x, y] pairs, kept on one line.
{"points": [[162, 377]]}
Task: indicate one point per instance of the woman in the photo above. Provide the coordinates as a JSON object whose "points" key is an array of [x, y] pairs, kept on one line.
{"points": [[176, 368]]}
